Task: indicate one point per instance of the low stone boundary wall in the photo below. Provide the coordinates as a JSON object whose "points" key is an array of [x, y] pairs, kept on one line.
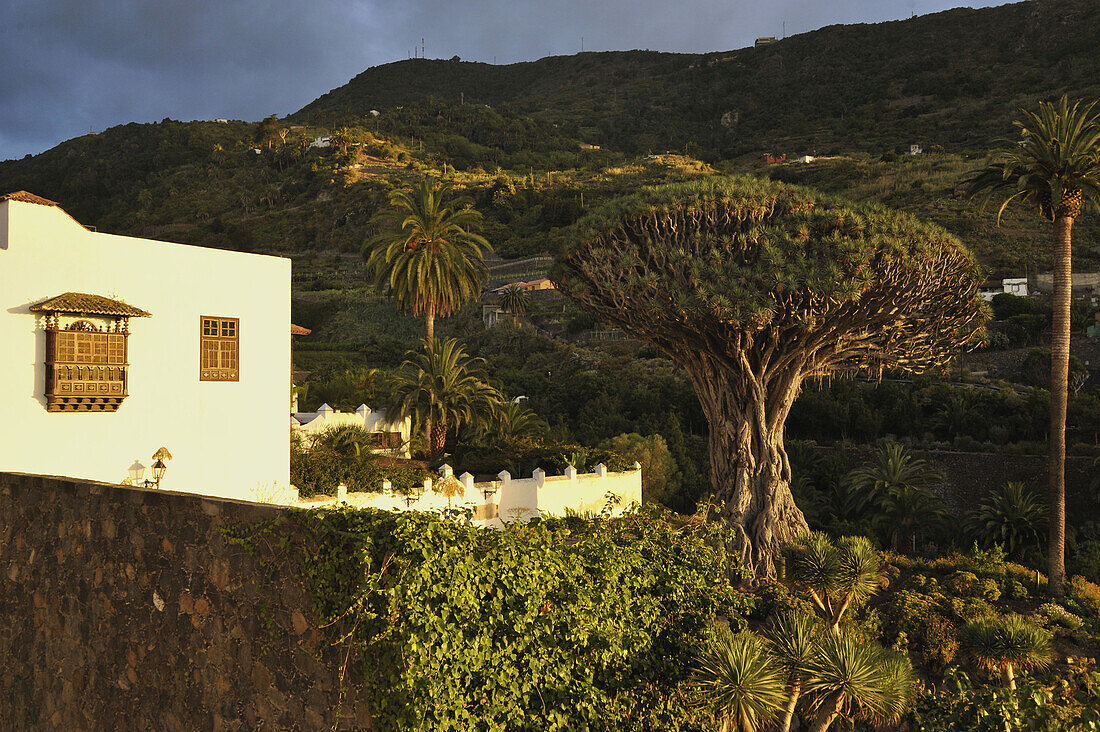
{"points": [[123, 608]]}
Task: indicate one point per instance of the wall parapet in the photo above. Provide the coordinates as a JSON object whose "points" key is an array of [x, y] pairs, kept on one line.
{"points": [[507, 498]]}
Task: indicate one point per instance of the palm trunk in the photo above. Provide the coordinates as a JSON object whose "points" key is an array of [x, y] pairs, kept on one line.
{"points": [[429, 330], [792, 702], [438, 439], [750, 472], [1059, 396], [1008, 677], [827, 712]]}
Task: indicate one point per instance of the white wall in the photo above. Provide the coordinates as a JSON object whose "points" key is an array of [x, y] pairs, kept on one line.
{"points": [[227, 439], [512, 499], [311, 424]]}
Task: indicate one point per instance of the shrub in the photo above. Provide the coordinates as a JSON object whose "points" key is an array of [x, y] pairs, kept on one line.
{"points": [[597, 625], [1086, 594], [1060, 616], [917, 617]]}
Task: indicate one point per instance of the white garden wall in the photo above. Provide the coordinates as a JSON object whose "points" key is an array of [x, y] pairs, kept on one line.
{"points": [[509, 498]]}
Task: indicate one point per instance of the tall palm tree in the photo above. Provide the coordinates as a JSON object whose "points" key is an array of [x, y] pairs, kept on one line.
{"points": [[428, 255], [444, 387], [1005, 644], [1056, 169], [740, 681], [855, 679], [836, 576]]}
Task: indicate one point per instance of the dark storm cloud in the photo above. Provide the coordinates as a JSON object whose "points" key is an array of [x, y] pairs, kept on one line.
{"points": [[73, 66]]}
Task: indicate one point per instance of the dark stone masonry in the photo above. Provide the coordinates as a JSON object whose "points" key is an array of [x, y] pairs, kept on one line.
{"points": [[126, 609]]}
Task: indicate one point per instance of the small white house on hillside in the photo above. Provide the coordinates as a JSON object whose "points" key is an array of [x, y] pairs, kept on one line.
{"points": [[394, 436], [114, 347]]}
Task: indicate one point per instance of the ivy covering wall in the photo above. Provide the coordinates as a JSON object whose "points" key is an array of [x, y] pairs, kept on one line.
{"points": [[550, 625]]}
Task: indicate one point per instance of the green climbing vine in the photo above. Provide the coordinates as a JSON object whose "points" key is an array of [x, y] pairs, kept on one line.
{"points": [[550, 625]]}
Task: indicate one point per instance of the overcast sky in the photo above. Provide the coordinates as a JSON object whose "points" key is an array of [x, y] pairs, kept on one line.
{"points": [[71, 66]]}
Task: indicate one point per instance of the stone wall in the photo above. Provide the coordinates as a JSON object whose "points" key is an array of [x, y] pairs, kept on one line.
{"points": [[124, 608], [972, 476]]}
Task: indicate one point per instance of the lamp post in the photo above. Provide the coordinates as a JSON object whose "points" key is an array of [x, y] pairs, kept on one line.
{"points": [[158, 472], [137, 472]]}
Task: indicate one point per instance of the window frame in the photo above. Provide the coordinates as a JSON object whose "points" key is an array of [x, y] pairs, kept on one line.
{"points": [[220, 372]]}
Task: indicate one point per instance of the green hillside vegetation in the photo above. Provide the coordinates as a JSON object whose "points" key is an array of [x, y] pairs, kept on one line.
{"points": [[953, 78]]}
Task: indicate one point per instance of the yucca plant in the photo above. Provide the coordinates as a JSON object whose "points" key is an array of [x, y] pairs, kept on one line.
{"points": [[836, 576], [856, 679], [1004, 644], [793, 639], [739, 682]]}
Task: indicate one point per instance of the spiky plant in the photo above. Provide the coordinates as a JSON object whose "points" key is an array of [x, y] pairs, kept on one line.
{"points": [[856, 679], [836, 576], [1056, 170], [739, 682], [1004, 644], [1015, 517], [793, 639]]}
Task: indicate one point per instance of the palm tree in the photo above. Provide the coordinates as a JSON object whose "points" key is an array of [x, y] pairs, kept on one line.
{"points": [[1015, 517], [1005, 644], [428, 255], [740, 682], [443, 387], [515, 422], [515, 300], [893, 467], [905, 511], [793, 639], [836, 576], [1056, 169], [855, 679]]}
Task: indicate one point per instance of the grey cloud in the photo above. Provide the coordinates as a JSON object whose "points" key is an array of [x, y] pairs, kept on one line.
{"points": [[72, 65]]}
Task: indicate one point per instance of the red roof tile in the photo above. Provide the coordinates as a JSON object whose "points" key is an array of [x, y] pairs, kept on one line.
{"points": [[26, 197]]}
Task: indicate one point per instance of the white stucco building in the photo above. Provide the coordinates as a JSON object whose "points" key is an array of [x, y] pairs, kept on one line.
{"points": [[114, 346]]}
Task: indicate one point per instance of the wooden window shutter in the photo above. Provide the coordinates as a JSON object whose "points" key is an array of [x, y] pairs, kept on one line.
{"points": [[219, 349]]}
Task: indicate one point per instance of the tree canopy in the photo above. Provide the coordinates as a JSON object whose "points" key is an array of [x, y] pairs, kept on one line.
{"points": [[752, 287]]}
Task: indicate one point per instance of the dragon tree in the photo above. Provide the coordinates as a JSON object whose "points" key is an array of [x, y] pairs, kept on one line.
{"points": [[753, 287]]}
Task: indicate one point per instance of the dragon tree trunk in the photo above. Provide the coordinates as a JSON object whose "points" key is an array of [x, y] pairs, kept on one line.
{"points": [[750, 472]]}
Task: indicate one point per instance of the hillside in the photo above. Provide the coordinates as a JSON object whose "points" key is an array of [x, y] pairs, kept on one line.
{"points": [[520, 137], [953, 78]]}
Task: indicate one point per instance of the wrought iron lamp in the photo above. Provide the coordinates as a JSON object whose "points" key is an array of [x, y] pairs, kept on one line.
{"points": [[158, 472]]}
